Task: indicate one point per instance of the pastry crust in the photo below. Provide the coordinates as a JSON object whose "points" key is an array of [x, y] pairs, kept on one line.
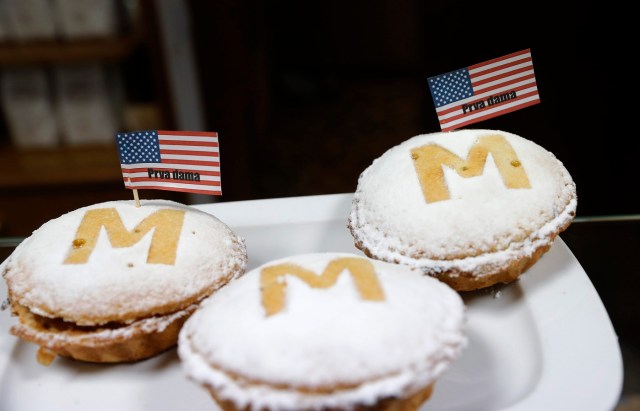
{"points": [[113, 282], [411, 402], [110, 343], [472, 208], [324, 331]]}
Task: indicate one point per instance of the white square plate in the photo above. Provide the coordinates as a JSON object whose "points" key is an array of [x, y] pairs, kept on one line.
{"points": [[544, 342]]}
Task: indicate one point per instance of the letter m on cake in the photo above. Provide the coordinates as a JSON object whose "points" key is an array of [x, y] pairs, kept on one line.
{"points": [[166, 225], [429, 160], [273, 285]]}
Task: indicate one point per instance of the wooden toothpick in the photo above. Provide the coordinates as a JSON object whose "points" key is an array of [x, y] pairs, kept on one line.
{"points": [[135, 193]]}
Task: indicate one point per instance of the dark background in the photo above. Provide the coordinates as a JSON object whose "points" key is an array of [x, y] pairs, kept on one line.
{"points": [[306, 94]]}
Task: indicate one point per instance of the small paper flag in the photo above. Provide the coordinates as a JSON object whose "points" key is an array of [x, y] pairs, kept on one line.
{"points": [[186, 161], [484, 90]]}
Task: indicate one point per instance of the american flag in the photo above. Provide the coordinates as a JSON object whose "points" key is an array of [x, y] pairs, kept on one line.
{"points": [[186, 161], [484, 90]]}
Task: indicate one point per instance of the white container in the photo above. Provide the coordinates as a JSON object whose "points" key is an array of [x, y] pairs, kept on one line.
{"points": [[85, 106], [78, 19], [28, 108], [28, 20]]}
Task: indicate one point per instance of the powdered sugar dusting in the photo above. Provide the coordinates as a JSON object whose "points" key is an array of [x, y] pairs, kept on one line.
{"points": [[120, 279], [483, 222], [324, 337]]}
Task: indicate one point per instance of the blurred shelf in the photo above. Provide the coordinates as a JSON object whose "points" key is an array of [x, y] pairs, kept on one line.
{"points": [[64, 51], [58, 166], [38, 185]]}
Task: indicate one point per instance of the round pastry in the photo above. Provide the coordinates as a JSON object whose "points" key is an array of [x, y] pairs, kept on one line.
{"points": [[324, 331], [470, 207], [113, 282]]}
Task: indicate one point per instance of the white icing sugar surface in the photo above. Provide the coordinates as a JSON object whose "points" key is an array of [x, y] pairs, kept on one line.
{"points": [[393, 220], [324, 337], [119, 280]]}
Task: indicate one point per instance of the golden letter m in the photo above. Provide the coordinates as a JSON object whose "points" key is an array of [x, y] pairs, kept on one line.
{"points": [[429, 159], [164, 242], [273, 285]]}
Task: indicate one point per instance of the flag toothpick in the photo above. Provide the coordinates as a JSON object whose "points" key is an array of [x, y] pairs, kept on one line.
{"points": [[484, 90], [135, 193], [187, 161]]}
